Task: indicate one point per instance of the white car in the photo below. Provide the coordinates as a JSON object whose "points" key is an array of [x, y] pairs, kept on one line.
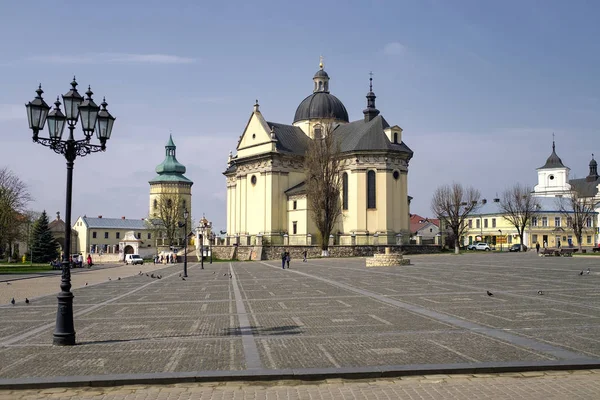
{"points": [[482, 246], [134, 259]]}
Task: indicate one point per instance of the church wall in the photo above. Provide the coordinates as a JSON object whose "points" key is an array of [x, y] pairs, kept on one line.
{"points": [[308, 126], [169, 189], [231, 202], [255, 139], [254, 204]]}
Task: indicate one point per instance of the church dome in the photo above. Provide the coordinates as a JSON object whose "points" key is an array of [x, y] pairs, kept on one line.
{"points": [[321, 74], [321, 105]]}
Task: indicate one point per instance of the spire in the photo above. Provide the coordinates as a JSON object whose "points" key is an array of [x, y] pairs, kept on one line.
{"points": [[170, 165], [593, 170], [256, 105], [321, 79], [320, 62], [554, 160], [371, 111]]}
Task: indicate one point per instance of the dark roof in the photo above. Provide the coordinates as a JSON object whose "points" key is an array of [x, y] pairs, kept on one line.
{"points": [[321, 105], [290, 139], [119, 223], [321, 74], [584, 187], [553, 161], [361, 135], [297, 189]]}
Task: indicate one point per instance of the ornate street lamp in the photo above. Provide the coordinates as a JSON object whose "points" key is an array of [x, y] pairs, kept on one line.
{"points": [[186, 214], [91, 116], [212, 238]]}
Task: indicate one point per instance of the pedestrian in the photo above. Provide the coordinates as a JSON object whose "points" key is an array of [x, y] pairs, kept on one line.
{"points": [[287, 259], [89, 261], [283, 259], [558, 243], [304, 254], [537, 247], [80, 260], [545, 244]]}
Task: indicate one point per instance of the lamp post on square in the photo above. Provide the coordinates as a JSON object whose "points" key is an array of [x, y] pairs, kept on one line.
{"points": [[93, 118]]}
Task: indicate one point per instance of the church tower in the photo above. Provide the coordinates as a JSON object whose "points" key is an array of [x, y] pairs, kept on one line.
{"points": [[170, 182], [553, 177]]}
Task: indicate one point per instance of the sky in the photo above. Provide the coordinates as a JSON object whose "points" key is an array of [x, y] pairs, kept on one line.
{"points": [[479, 87]]}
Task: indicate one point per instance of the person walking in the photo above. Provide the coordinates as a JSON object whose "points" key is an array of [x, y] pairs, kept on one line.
{"points": [[537, 247], [283, 259], [305, 253], [558, 243], [287, 259], [89, 261]]}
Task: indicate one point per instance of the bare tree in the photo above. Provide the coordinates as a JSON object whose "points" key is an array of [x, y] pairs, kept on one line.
{"points": [[14, 197], [519, 205], [579, 210], [168, 214], [323, 169], [452, 204]]}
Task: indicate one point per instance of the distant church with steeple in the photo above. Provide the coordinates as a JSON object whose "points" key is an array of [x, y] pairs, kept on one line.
{"points": [[266, 188]]}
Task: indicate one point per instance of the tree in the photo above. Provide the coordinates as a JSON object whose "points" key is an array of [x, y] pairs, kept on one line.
{"points": [[323, 168], [168, 214], [44, 247], [519, 205], [579, 210], [452, 204], [14, 197]]}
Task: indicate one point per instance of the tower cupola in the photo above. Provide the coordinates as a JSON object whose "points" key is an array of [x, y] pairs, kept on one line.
{"points": [[321, 79], [371, 111], [593, 171]]}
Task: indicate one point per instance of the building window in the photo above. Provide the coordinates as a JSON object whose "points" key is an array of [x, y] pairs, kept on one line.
{"points": [[155, 203], [253, 180], [371, 199], [118, 235], [169, 203], [589, 239], [588, 222], [493, 222], [294, 204], [556, 221], [94, 235], [544, 221], [139, 235], [345, 191], [184, 204], [534, 238], [105, 235], [149, 236], [294, 227], [318, 132], [485, 223], [395, 137], [470, 223], [569, 222], [477, 223], [509, 239], [533, 221]]}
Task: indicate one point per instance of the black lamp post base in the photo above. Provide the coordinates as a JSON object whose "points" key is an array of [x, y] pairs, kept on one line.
{"points": [[64, 335], [64, 339]]}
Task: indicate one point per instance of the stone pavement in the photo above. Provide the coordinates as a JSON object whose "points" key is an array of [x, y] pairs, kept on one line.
{"points": [[558, 385], [324, 317]]}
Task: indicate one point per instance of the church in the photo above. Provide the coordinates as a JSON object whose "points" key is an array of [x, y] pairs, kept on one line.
{"points": [[266, 194]]}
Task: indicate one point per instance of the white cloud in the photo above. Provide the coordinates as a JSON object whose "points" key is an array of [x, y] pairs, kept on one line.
{"points": [[113, 58], [10, 112], [394, 49]]}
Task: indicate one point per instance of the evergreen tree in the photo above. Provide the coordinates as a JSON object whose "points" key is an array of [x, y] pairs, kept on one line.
{"points": [[44, 247]]}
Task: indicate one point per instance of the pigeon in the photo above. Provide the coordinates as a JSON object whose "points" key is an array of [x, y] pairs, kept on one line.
{"points": [[26, 300], [119, 278], [489, 293], [182, 278], [152, 276], [12, 301], [180, 275], [159, 277], [8, 283], [581, 273], [86, 284], [224, 274], [540, 292], [146, 274], [587, 272], [213, 272], [109, 278]]}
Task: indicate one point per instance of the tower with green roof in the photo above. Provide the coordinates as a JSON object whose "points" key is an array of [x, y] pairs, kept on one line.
{"points": [[170, 182]]}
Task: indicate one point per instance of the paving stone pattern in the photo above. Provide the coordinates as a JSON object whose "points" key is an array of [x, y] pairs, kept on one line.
{"points": [[326, 313]]}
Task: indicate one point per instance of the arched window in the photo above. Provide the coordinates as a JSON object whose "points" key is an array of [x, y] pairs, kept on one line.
{"points": [[395, 137], [184, 204], [320, 85], [371, 203], [345, 191], [155, 204], [318, 132], [169, 203]]}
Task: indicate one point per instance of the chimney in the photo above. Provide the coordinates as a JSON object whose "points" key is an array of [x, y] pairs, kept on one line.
{"points": [[99, 216], [483, 201], [122, 217]]}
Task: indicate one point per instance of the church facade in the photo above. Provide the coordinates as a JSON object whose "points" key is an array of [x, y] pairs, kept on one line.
{"points": [[266, 193]]}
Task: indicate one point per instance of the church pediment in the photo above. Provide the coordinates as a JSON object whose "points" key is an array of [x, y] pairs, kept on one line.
{"points": [[256, 137]]}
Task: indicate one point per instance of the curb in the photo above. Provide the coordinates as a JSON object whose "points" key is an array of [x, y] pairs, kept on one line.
{"points": [[302, 374]]}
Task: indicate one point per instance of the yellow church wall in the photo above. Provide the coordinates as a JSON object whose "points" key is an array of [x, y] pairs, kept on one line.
{"points": [[256, 139], [307, 126], [183, 190]]}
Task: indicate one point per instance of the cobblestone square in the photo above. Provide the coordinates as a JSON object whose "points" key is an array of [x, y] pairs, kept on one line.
{"points": [[326, 313]]}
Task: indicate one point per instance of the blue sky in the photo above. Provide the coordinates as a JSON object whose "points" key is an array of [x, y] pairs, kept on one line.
{"points": [[478, 87]]}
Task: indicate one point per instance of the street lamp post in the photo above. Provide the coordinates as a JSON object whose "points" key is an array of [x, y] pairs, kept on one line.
{"points": [[202, 247], [212, 238], [501, 238], [92, 118], [186, 214]]}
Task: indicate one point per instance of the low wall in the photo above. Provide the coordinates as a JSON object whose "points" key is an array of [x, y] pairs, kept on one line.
{"points": [[296, 252]]}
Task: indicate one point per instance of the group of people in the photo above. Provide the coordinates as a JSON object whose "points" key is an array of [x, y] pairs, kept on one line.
{"points": [[165, 259], [285, 258], [74, 261]]}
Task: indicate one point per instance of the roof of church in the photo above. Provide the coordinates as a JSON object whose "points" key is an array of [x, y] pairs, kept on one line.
{"points": [[554, 160], [290, 139], [170, 170], [119, 223], [321, 105], [367, 135], [584, 187], [297, 189]]}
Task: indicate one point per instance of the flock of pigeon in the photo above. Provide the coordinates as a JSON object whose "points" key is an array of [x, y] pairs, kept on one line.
{"points": [[541, 292]]}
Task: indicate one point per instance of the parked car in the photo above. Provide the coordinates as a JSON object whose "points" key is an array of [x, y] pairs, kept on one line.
{"points": [[482, 246], [517, 247], [134, 259]]}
